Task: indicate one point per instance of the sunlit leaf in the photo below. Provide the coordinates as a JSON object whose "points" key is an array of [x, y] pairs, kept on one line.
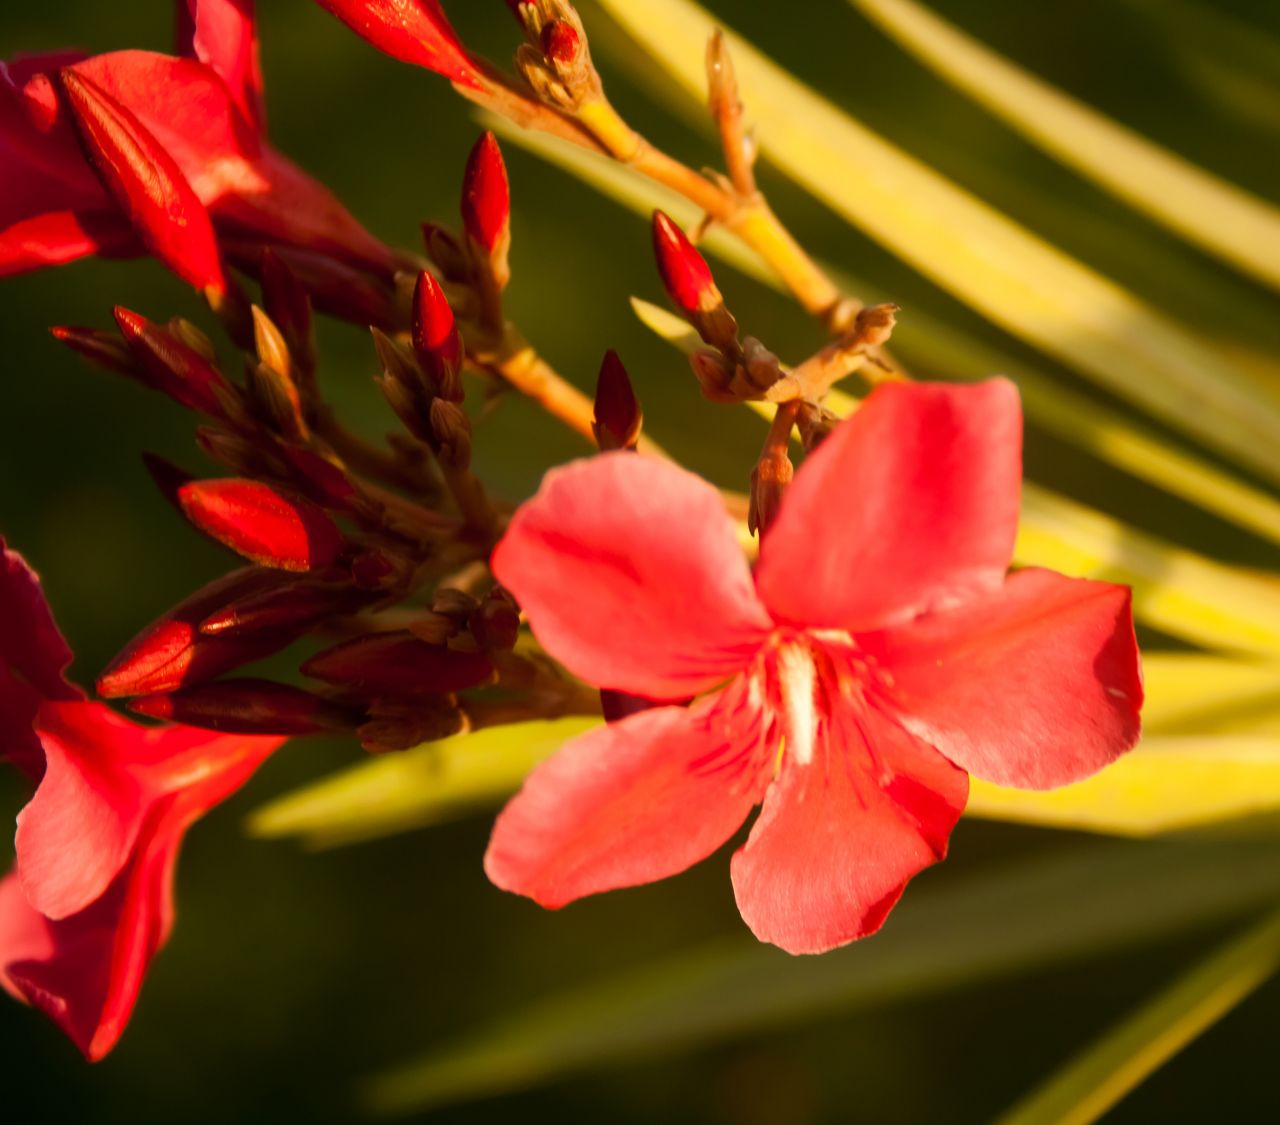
{"points": [[1167, 784], [980, 928], [1204, 209], [434, 783], [938, 350], [1006, 272], [1109, 1069]]}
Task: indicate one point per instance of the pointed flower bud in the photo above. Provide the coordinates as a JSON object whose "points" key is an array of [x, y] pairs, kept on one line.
{"points": [[287, 304], [398, 663], [486, 197], [264, 524], [174, 368], [436, 339], [299, 604], [171, 652], [167, 476], [561, 43], [147, 184], [451, 434], [249, 706], [103, 348], [618, 416], [413, 31]]}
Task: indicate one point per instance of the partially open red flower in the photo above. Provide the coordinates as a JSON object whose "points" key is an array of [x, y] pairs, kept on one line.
{"points": [[878, 655], [204, 112], [91, 898]]}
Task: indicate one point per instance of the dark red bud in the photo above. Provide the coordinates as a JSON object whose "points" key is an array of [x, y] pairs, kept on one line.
{"points": [[561, 43], [168, 477], [171, 652], [618, 416], [436, 339], [486, 195], [147, 184], [174, 368], [685, 273], [249, 706], [397, 663], [300, 604], [289, 307], [264, 524], [106, 349], [495, 624]]}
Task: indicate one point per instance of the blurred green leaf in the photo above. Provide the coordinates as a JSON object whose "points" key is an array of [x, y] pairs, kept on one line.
{"points": [[428, 785], [999, 268], [981, 928], [1233, 63], [936, 349], [1206, 210], [1095, 1080]]}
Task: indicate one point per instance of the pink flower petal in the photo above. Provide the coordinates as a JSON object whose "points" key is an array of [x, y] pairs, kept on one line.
{"points": [[1034, 685], [223, 35], [634, 801], [911, 504], [630, 575], [840, 836], [78, 830]]}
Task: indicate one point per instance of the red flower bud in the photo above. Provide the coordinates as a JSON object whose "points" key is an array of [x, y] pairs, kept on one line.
{"points": [[264, 524], [561, 43], [168, 477], [486, 196], [618, 416], [436, 340], [288, 305], [397, 663], [685, 273], [300, 604], [249, 706], [147, 184], [103, 348], [413, 31], [171, 653], [174, 368]]}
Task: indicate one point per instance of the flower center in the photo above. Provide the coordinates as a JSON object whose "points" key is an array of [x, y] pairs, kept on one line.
{"points": [[797, 688]]}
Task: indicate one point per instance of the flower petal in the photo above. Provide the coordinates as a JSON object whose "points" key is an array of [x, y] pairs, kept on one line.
{"points": [[634, 801], [631, 576], [909, 505], [223, 35], [1034, 685], [76, 833], [30, 642], [840, 836]]}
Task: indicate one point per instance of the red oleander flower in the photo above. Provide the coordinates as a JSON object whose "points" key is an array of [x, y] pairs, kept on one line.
{"points": [[203, 112], [90, 900], [877, 657]]}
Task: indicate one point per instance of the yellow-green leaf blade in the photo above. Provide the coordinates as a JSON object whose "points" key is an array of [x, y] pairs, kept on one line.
{"points": [[427, 785], [1106, 1071], [1043, 912], [1214, 214]]}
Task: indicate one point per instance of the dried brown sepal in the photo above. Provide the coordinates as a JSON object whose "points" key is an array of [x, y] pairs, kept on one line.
{"points": [[495, 622], [105, 349], [396, 725], [275, 401], [288, 305], [451, 434]]}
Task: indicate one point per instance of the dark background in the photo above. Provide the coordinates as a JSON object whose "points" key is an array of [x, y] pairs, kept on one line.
{"points": [[291, 976]]}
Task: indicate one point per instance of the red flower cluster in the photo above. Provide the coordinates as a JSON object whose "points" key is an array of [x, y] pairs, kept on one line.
{"points": [[878, 657], [123, 153], [90, 901]]}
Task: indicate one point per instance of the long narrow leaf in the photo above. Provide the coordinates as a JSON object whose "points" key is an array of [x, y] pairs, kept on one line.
{"points": [[1004, 271], [1090, 1084], [940, 350], [1046, 912], [1206, 210], [428, 785]]}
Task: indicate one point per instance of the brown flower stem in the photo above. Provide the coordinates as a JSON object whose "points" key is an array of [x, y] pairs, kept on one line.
{"points": [[473, 503], [367, 459]]}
